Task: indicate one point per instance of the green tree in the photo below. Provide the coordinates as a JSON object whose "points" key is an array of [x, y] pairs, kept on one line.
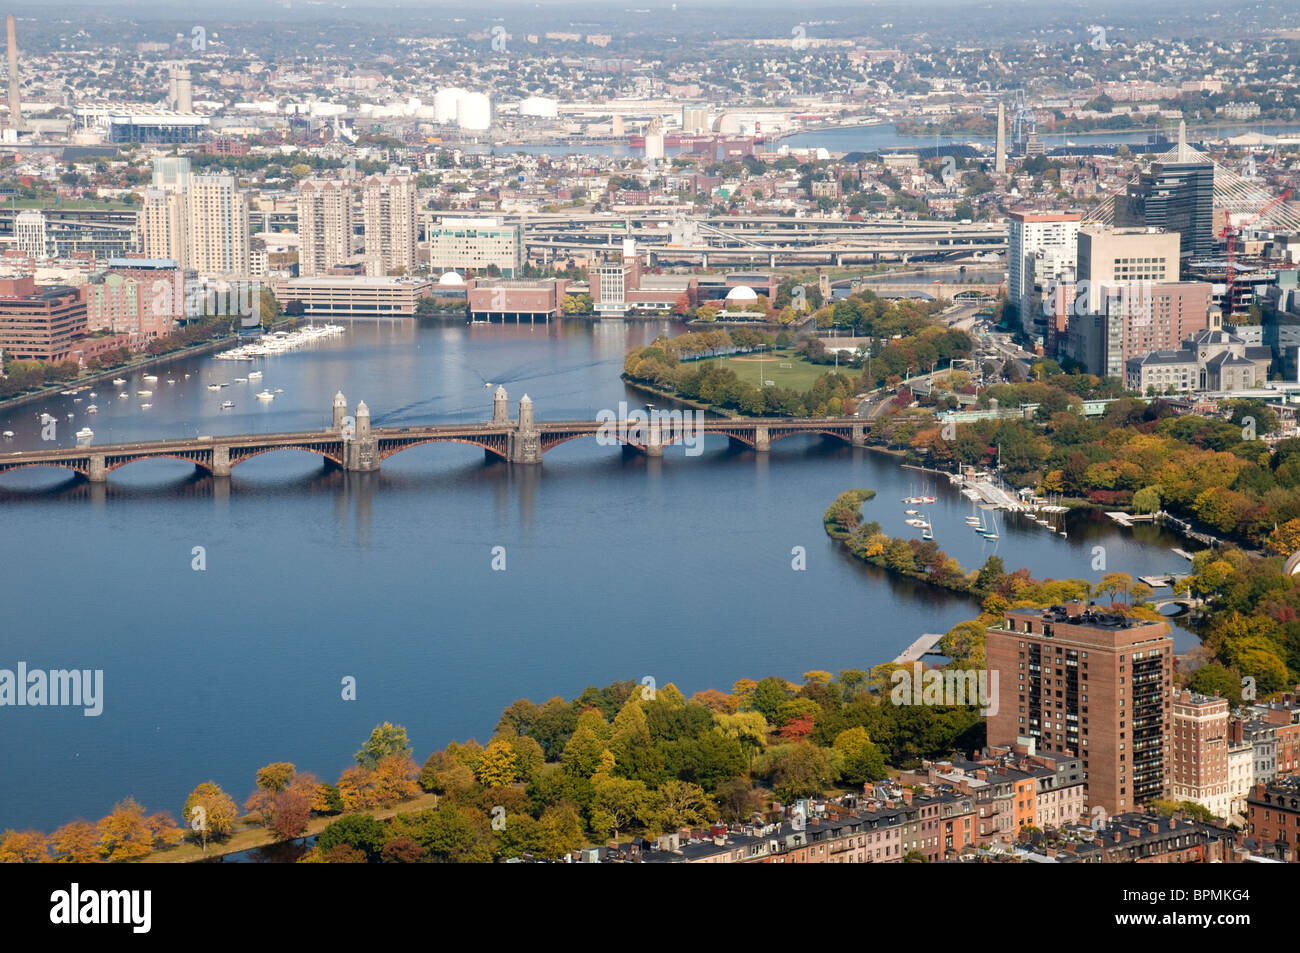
{"points": [[359, 831], [862, 760], [769, 695], [387, 739], [1146, 500], [617, 804], [802, 770]]}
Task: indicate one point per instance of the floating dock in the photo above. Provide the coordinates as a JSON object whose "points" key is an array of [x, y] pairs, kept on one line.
{"points": [[925, 645]]}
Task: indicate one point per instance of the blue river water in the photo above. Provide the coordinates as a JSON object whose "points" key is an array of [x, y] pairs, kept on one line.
{"points": [[616, 567]]}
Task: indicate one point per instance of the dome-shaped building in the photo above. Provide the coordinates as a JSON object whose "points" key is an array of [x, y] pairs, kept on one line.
{"points": [[742, 295], [450, 278]]}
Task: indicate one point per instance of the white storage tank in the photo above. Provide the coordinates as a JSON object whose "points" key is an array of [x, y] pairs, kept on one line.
{"points": [[539, 107], [445, 102], [474, 112]]}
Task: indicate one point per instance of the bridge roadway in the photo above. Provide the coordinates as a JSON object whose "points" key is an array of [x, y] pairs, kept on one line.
{"points": [[352, 444]]}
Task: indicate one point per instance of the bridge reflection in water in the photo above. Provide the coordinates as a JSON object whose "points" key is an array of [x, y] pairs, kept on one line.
{"points": [[351, 443]]}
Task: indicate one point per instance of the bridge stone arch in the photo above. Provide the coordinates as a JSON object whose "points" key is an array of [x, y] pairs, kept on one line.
{"points": [[844, 434], [237, 455], [199, 458], [77, 467], [495, 444]]}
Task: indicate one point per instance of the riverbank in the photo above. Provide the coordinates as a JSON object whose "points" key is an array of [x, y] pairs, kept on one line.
{"points": [[252, 837], [156, 361]]}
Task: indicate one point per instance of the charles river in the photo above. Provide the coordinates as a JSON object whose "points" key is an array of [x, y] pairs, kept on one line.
{"points": [[615, 567]]}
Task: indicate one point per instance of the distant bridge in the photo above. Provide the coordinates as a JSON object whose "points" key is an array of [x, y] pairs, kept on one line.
{"points": [[953, 292], [352, 443]]}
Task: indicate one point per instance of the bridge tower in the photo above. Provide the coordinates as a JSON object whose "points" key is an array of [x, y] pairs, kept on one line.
{"points": [[525, 439], [340, 411], [362, 451], [500, 406]]}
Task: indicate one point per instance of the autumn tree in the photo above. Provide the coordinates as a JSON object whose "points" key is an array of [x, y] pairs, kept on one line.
{"points": [[24, 847], [209, 812], [125, 833], [497, 768], [276, 776], [76, 843]]}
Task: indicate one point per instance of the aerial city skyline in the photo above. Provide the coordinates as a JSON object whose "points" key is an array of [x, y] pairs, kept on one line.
{"points": [[822, 435]]}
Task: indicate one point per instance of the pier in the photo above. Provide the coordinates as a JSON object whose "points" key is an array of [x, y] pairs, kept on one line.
{"points": [[927, 644]]}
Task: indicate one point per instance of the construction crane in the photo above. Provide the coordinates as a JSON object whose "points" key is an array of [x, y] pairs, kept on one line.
{"points": [[1229, 235]]}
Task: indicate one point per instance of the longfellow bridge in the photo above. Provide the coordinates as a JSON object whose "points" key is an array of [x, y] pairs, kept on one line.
{"points": [[351, 443]]}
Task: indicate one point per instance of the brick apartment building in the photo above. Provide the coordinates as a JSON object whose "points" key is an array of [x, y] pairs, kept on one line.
{"points": [[136, 297], [1273, 817], [1076, 681], [40, 322]]}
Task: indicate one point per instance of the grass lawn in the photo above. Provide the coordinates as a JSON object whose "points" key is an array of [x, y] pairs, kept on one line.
{"points": [[782, 368]]}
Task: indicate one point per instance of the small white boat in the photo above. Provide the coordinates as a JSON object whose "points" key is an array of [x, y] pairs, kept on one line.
{"points": [[70, 416], [84, 435], [266, 395], [118, 381], [912, 512], [144, 393], [145, 406], [254, 375], [92, 409], [279, 390], [170, 381], [150, 377], [8, 435], [241, 380], [227, 404], [123, 395], [93, 394], [214, 387]]}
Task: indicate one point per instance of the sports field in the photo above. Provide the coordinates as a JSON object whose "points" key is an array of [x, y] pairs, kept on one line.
{"points": [[782, 368]]}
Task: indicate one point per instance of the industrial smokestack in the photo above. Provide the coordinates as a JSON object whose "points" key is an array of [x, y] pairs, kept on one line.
{"points": [[15, 104], [1000, 158]]}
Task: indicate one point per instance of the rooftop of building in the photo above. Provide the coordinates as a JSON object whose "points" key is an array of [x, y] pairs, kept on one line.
{"points": [[1087, 616]]}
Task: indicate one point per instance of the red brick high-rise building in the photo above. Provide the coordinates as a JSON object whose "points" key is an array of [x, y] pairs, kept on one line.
{"points": [[40, 322], [1077, 681]]}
